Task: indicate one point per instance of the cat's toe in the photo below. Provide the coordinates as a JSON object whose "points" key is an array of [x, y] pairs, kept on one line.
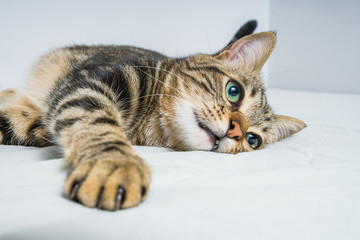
{"points": [[75, 179], [123, 188], [92, 189]]}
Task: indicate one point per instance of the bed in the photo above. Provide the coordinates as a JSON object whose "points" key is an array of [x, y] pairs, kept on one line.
{"points": [[303, 187]]}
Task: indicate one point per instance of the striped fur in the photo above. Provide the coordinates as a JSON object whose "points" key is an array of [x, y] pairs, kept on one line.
{"points": [[97, 101]]}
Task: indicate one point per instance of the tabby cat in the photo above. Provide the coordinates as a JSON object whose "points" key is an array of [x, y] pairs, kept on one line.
{"points": [[95, 101]]}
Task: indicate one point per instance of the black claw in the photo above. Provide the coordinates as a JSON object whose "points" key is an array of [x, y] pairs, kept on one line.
{"points": [[143, 191], [120, 198], [100, 197], [74, 190]]}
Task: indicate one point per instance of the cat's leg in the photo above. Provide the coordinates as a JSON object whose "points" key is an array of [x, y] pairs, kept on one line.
{"points": [[21, 121], [104, 170]]}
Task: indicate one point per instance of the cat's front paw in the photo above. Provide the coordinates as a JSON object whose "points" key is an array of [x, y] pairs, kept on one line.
{"points": [[109, 184]]}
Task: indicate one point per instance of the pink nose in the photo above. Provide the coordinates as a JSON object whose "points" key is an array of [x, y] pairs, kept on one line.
{"points": [[234, 130]]}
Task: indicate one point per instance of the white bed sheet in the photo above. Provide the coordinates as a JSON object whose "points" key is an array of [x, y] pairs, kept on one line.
{"points": [[304, 187]]}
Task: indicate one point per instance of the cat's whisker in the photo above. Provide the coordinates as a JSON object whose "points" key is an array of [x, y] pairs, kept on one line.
{"points": [[270, 75], [167, 71], [151, 95], [181, 78], [168, 85]]}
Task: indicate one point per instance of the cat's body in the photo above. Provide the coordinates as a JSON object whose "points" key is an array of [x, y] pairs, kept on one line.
{"points": [[95, 101]]}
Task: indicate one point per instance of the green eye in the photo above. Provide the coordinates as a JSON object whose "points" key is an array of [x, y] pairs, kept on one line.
{"points": [[253, 140], [233, 92]]}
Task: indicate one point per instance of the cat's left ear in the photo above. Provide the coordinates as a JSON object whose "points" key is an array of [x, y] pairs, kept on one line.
{"points": [[250, 52], [284, 126]]}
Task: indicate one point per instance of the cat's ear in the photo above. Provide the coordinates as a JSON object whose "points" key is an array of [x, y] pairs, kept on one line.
{"points": [[250, 52], [283, 127]]}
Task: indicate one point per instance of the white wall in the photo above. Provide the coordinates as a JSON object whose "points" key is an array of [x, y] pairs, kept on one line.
{"points": [[176, 28], [318, 41], [318, 45]]}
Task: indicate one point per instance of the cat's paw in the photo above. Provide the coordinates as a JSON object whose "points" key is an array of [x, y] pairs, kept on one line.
{"points": [[108, 184]]}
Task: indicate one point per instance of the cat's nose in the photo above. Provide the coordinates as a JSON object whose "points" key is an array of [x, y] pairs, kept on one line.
{"points": [[234, 130]]}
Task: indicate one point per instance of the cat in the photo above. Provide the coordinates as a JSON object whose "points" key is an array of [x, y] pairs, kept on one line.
{"points": [[97, 101]]}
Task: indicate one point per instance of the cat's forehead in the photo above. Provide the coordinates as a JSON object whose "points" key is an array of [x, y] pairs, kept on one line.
{"points": [[208, 64]]}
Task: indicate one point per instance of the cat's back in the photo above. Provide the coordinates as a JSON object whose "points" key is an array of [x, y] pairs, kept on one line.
{"points": [[113, 54], [51, 67]]}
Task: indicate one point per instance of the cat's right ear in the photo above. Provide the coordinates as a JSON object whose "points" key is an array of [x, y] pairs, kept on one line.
{"points": [[250, 52]]}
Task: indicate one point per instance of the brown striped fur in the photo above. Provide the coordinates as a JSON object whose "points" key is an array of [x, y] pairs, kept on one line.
{"points": [[97, 101]]}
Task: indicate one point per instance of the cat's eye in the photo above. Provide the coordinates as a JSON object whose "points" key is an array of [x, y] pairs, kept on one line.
{"points": [[253, 140], [233, 92]]}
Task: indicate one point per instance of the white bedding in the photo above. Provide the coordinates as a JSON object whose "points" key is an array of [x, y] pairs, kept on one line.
{"points": [[304, 187]]}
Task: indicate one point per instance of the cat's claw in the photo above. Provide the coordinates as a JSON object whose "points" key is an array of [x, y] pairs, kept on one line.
{"points": [[143, 191], [74, 190], [100, 197], [120, 197]]}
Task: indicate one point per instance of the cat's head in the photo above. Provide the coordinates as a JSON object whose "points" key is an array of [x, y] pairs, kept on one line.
{"points": [[218, 103]]}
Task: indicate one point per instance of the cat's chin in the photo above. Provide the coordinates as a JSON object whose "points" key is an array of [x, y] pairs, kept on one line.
{"points": [[201, 140], [213, 139], [195, 135], [225, 145], [204, 139]]}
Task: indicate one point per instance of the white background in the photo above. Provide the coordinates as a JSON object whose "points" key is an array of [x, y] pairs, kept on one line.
{"points": [[318, 41], [176, 28], [318, 45]]}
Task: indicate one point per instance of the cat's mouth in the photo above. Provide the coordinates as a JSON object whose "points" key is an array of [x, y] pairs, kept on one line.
{"points": [[213, 137]]}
